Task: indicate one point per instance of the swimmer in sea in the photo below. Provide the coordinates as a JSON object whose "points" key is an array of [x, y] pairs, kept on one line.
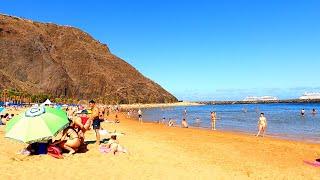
{"points": [[262, 125], [303, 112]]}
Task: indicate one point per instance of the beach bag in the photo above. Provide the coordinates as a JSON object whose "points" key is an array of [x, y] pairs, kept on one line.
{"points": [[55, 151], [42, 148]]}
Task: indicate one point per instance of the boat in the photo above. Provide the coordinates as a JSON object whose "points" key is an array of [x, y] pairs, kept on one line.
{"points": [[310, 96]]}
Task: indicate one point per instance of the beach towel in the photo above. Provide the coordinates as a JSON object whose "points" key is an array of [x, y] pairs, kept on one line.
{"points": [[312, 163], [55, 152], [104, 149]]}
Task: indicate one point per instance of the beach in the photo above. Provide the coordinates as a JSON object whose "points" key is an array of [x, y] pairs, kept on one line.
{"points": [[159, 152]]}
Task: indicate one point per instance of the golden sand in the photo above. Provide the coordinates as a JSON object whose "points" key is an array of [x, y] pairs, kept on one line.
{"points": [[160, 152]]}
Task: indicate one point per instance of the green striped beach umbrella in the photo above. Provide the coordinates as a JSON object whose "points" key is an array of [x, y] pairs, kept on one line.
{"points": [[37, 124]]}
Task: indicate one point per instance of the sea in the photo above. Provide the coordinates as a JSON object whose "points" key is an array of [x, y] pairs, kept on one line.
{"points": [[284, 120]]}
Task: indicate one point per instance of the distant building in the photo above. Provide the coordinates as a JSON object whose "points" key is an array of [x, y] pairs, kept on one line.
{"points": [[262, 98], [310, 96]]}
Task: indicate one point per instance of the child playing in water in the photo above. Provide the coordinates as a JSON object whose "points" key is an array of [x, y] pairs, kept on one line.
{"points": [[262, 125]]}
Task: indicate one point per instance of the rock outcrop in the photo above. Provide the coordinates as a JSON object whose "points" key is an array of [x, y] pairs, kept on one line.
{"points": [[65, 61]]}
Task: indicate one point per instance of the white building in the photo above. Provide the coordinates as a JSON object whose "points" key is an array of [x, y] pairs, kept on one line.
{"points": [[262, 98], [310, 96]]}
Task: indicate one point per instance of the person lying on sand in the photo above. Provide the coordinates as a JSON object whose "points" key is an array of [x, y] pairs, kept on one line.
{"points": [[114, 146], [262, 125]]}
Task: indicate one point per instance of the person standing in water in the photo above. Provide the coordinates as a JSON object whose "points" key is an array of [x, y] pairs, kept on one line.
{"points": [[140, 115], [314, 111], [213, 120], [185, 113], [262, 125], [303, 112]]}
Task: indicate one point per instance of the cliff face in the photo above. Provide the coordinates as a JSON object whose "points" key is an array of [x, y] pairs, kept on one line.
{"points": [[65, 61]]}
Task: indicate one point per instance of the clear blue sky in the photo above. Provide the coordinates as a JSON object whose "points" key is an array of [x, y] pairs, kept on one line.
{"points": [[226, 49]]}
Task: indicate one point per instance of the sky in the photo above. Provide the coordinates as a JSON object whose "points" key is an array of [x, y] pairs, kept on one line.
{"points": [[201, 50]]}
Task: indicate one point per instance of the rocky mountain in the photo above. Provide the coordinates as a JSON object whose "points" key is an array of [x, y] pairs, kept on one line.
{"points": [[65, 61]]}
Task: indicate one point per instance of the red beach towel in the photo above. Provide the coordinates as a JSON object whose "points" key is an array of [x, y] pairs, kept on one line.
{"points": [[55, 152]]}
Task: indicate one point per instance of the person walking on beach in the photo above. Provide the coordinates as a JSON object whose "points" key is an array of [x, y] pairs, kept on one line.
{"points": [[94, 120], [140, 115], [213, 120], [262, 125]]}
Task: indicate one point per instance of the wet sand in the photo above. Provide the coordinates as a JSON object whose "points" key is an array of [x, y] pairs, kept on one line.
{"points": [[160, 152]]}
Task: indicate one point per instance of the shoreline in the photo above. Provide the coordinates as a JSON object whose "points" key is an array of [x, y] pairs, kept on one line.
{"points": [[159, 105], [284, 101], [237, 132]]}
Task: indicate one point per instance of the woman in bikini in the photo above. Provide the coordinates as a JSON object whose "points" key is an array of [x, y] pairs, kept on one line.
{"points": [[262, 125], [70, 140], [213, 120]]}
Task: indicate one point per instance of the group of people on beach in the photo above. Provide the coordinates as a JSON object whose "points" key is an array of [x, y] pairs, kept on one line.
{"points": [[71, 138], [81, 120]]}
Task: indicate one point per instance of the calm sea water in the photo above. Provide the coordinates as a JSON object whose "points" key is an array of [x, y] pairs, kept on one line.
{"points": [[284, 120]]}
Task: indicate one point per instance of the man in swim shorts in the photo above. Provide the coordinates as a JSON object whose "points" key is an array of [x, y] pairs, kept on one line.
{"points": [[94, 120]]}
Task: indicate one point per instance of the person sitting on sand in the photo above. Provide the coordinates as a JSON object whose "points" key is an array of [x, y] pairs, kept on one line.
{"points": [[170, 122], [262, 125], [77, 125], [184, 123], [69, 141], [94, 120]]}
